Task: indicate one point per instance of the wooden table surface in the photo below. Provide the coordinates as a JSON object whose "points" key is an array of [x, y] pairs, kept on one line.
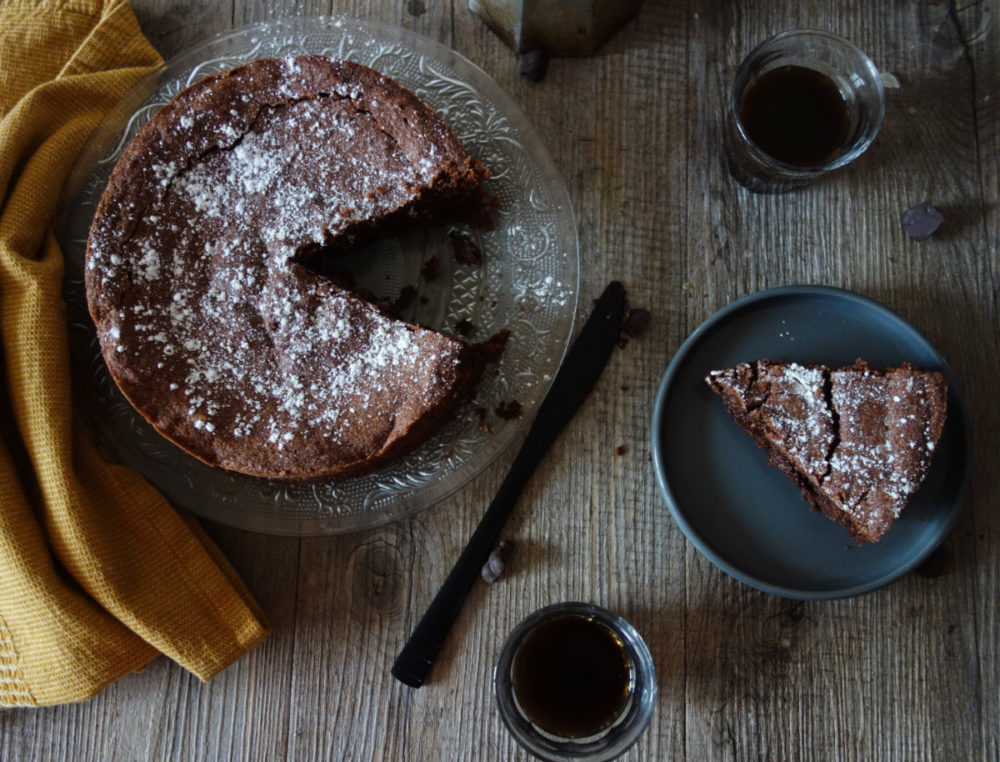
{"points": [[910, 671]]}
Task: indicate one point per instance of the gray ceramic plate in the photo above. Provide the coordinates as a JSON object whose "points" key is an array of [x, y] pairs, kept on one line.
{"points": [[742, 513]]}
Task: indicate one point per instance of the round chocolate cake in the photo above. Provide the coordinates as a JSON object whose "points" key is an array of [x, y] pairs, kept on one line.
{"points": [[208, 319]]}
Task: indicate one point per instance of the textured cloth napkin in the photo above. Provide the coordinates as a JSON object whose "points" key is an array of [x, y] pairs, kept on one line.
{"points": [[98, 573]]}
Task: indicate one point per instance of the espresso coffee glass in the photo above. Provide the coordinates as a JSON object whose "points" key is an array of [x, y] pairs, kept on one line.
{"points": [[803, 103], [575, 682]]}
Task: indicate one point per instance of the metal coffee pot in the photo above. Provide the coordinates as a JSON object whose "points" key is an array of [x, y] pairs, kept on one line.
{"points": [[560, 27]]}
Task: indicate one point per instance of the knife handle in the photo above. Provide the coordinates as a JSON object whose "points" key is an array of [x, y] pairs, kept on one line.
{"points": [[417, 656]]}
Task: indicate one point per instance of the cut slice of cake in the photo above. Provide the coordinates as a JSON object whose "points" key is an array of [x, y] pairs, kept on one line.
{"points": [[856, 441]]}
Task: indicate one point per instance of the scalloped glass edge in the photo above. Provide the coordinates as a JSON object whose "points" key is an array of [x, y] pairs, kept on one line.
{"points": [[505, 141]]}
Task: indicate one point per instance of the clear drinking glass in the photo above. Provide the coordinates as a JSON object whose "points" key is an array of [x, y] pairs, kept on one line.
{"points": [[627, 724], [801, 66]]}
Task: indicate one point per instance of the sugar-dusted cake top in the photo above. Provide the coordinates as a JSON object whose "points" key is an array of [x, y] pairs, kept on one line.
{"points": [[857, 441], [207, 319]]}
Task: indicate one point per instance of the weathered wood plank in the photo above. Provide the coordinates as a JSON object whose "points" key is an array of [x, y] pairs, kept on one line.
{"points": [[907, 672]]}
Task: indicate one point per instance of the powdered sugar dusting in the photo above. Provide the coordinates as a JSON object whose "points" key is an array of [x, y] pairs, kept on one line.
{"points": [[860, 440], [797, 412], [889, 425], [255, 345]]}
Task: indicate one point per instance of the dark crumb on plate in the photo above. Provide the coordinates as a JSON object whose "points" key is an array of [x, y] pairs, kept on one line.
{"points": [[465, 327], [466, 252], [431, 269], [535, 64], [621, 449], [625, 387], [483, 423], [508, 410], [481, 216], [649, 457], [636, 322], [497, 562], [406, 296], [491, 349]]}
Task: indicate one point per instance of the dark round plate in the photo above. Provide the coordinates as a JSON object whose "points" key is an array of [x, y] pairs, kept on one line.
{"points": [[746, 516]]}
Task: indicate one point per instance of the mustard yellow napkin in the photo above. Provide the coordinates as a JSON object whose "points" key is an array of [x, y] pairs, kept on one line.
{"points": [[98, 574]]}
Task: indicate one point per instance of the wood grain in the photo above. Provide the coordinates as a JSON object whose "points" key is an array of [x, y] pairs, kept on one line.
{"points": [[907, 672]]}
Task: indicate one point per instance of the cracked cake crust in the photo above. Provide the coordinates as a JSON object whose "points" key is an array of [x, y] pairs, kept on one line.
{"points": [[855, 440], [207, 318]]}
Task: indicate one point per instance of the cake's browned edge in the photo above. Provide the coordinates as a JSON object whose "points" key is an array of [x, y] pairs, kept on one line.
{"points": [[456, 195], [470, 370], [777, 457]]}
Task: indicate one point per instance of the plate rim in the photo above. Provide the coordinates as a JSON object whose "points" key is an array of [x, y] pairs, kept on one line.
{"points": [[682, 354]]}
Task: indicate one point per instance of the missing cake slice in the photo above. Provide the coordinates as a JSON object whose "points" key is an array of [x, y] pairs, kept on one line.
{"points": [[856, 441]]}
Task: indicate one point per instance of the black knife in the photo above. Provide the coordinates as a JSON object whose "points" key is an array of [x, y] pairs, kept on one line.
{"points": [[576, 377]]}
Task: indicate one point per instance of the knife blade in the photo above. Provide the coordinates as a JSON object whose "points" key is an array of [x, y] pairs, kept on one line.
{"points": [[576, 377]]}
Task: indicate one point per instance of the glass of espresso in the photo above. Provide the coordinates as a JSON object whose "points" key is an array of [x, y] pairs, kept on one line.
{"points": [[803, 103], [575, 682]]}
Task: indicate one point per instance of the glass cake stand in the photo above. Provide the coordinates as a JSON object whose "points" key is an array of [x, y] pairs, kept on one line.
{"points": [[527, 282]]}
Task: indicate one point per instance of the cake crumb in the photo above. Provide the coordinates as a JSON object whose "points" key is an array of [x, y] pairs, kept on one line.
{"points": [[406, 296], [496, 564], [492, 349], [431, 269], [466, 252], [483, 423], [508, 410], [636, 322], [920, 222]]}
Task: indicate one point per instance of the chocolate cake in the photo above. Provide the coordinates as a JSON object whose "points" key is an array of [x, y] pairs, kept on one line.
{"points": [[208, 316], [856, 441]]}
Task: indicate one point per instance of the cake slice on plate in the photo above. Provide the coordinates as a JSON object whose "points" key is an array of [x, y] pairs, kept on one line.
{"points": [[856, 441]]}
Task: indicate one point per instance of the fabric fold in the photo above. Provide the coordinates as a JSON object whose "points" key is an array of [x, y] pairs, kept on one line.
{"points": [[98, 573]]}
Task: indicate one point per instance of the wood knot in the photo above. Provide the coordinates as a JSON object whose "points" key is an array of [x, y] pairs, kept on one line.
{"points": [[375, 580], [785, 637]]}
